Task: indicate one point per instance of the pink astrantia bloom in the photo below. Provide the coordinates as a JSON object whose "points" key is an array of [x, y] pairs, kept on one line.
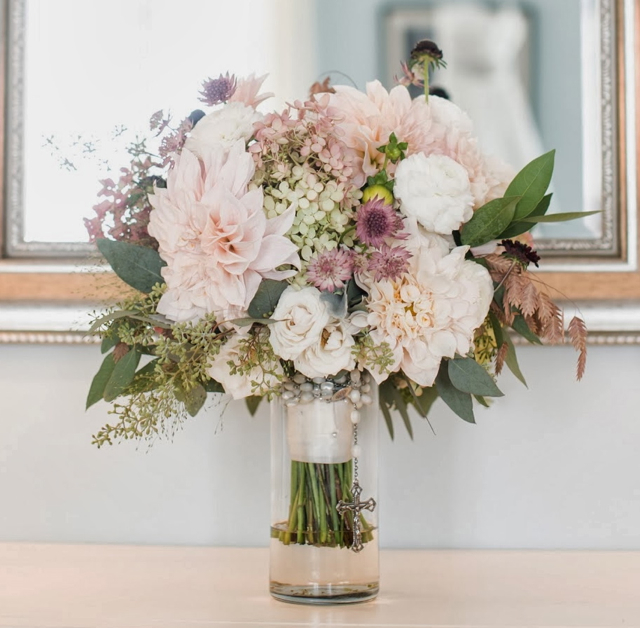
{"points": [[375, 221], [215, 237], [217, 91], [389, 263], [330, 270], [247, 91]]}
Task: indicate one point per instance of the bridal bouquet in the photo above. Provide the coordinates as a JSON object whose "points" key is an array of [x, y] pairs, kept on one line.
{"points": [[353, 232]]}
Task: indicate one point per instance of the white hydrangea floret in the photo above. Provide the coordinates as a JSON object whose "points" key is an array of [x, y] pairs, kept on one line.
{"points": [[435, 190]]}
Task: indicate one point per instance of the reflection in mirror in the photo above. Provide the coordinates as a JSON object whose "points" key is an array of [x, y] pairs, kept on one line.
{"points": [[84, 88], [533, 74], [527, 74]]}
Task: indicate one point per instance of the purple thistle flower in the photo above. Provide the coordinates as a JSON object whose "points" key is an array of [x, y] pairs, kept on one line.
{"points": [[376, 221], [217, 91], [389, 263], [330, 270]]}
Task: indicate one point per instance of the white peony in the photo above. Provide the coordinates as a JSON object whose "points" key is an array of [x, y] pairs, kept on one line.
{"points": [[435, 190], [332, 353], [302, 317], [222, 128], [430, 313], [239, 386]]}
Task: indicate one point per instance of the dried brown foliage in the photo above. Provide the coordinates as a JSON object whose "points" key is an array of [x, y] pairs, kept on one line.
{"points": [[321, 88], [577, 331], [543, 317]]}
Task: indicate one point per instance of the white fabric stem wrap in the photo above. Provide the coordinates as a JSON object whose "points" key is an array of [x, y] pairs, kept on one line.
{"points": [[320, 431]]}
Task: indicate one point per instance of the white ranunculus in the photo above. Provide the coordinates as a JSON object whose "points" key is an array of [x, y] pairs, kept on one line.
{"points": [[332, 353], [301, 316], [240, 386], [223, 127], [435, 190]]}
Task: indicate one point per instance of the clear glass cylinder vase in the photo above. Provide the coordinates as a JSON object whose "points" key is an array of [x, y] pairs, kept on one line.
{"points": [[324, 483]]}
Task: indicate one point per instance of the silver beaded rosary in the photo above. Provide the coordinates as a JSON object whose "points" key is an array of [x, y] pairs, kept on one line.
{"points": [[353, 387]]}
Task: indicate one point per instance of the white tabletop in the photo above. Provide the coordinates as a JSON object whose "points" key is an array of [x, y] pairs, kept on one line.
{"points": [[82, 586]]}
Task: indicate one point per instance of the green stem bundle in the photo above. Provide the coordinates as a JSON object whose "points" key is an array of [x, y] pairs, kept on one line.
{"points": [[316, 490]]}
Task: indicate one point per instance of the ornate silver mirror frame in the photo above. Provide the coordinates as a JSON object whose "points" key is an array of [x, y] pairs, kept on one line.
{"points": [[43, 288]]}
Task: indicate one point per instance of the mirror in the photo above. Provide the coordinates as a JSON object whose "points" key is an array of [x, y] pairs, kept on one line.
{"points": [[523, 72], [533, 74]]}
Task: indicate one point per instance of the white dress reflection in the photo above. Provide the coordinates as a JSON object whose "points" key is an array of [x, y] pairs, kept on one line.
{"points": [[486, 53]]}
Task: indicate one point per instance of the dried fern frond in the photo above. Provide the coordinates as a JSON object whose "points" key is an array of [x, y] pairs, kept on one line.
{"points": [[577, 331], [529, 299]]}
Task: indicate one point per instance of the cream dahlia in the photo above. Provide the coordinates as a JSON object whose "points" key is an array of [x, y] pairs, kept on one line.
{"points": [[429, 313]]}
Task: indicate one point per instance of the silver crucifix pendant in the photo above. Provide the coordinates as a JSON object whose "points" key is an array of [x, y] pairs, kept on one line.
{"points": [[356, 506]]}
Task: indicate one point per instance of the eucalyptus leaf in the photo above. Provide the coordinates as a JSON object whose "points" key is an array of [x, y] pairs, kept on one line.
{"points": [[108, 342], [520, 325], [561, 217], [194, 399], [248, 321], [213, 387], [336, 304], [460, 402], [138, 266], [123, 373], [266, 298], [511, 360], [355, 293], [519, 227], [426, 400], [96, 391], [531, 184], [253, 403], [107, 318], [470, 377], [488, 222], [400, 405], [498, 331], [143, 380], [384, 407], [481, 400]]}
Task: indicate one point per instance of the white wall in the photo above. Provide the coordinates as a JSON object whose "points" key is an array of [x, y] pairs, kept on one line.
{"points": [[553, 466]]}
